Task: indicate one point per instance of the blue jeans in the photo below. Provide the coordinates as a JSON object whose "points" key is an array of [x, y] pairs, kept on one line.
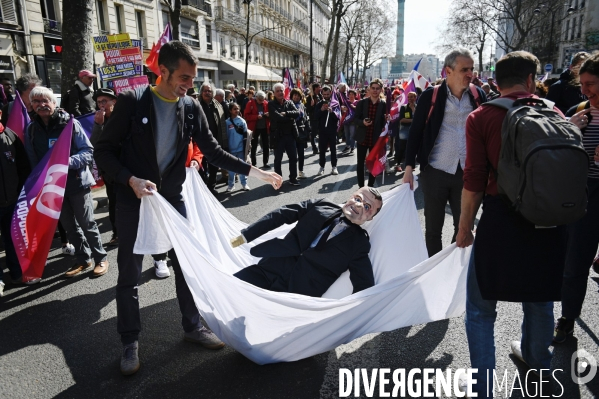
{"points": [[583, 238], [242, 178], [537, 333], [350, 132], [12, 261]]}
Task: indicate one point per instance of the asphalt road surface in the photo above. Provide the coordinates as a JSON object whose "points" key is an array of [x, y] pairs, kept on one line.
{"points": [[58, 338]]}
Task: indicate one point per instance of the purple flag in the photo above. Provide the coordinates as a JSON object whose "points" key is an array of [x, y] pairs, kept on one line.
{"points": [[18, 118], [350, 111], [87, 123]]}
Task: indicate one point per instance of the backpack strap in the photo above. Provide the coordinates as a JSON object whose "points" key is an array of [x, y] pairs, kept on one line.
{"points": [[188, 125], [504, 103], [430, 111], [581, 106], [475, 94]]}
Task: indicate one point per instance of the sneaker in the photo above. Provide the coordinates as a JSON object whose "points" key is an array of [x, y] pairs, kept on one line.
{"points": [[320, 172], [334, 171], [301, 175], [77, 269], [346, 149], [351, 151], [33, 281], [204, 337], [563, 328], [1, 288], [294, 182], [130, 359], [114, 241], [517, 352], [463, 383], [265, 167], [390, 170], [161, 269], [315, 151], [68, 249], [230, 188], [259, 151], [245, 187]]}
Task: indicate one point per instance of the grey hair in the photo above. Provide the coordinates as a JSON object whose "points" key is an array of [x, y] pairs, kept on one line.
{"points": [[41, 91], [23, 83], [231, 87], [261, 94], [274, 88], [219, 92], [204, 85], [452, 58], [485, 85], [340, 85]]}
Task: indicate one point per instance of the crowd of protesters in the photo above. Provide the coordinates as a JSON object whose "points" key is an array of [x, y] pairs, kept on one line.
{"points": [[447, 134]]}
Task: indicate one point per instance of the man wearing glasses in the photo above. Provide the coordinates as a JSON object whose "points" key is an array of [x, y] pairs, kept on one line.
{"points": [[326, 241]]}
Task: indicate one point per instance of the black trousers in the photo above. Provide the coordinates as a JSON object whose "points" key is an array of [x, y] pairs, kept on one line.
{"points": [[439, 188], [262, 135], [111, 193], [286, 144], [362, 152], [213, 171], [400, 150], [329, 140], [130, 265], [301, 147]]}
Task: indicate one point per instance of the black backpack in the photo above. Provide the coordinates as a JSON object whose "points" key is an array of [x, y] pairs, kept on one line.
{"points": [[542, 169]]}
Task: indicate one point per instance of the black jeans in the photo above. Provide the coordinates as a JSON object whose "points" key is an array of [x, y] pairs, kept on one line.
{"points": [[438, 188], [300, 154], [130, 265], [329, 140], [400, 151], [286, 144], [262, 135], [111, 193], [583, 238], [12, 261], [362, 152]]}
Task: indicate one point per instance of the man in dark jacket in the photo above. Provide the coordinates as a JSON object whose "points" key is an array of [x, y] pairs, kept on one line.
{"points": [[283, 131], [566, 92], [216, 116], [24, 85], [439, 141], [326, 241], [144, 148], [327, 114], [314, 98], [81, 101], [14, 170]]}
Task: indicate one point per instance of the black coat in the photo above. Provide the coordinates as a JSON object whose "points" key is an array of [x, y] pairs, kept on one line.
{"points": [[293, 266], [282, 125], [81, 102], [127, 146], [565, 93], [361, 113], [14, 167], [423, 135]]}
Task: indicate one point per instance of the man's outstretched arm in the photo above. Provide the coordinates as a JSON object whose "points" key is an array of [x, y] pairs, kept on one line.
{"points": [[360, 270]]}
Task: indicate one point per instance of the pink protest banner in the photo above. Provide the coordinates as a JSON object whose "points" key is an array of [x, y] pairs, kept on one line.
{"points": [[38, 207], [121, 56], [121, 85]]}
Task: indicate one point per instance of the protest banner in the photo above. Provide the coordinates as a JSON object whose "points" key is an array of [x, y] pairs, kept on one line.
{"points": [[119, 71], [112, 42], [121, 85], [125, 55]]}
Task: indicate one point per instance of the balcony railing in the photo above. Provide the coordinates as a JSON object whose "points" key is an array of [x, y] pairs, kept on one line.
{"points": [[199, 4], [51, 26], [303, 3]]}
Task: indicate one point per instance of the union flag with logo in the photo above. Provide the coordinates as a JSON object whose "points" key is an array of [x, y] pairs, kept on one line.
{"points": [[39, 205]]}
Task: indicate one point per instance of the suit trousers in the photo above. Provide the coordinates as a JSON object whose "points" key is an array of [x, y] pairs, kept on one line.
{"points": [[130, 266], [111, 194], [439, 188], [262, 135], [330, 140], [286, 144], [362, 152]]}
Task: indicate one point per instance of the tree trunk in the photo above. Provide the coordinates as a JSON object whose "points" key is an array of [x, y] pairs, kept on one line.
{"points": [[336, 42], [327, 48], [176, 20], [78, 51]]}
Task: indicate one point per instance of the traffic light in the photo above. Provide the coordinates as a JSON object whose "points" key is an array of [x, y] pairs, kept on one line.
{"points": [[492, 68]]}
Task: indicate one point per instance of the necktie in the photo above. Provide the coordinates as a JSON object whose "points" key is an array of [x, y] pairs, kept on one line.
{"points": [[327, 233]]}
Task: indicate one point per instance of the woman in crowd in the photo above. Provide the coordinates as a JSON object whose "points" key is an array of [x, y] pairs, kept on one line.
{"points": [[406, 113], [303, 129]]}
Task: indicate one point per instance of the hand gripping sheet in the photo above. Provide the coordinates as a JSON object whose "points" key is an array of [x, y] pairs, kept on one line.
{"points": [[269, 327]]}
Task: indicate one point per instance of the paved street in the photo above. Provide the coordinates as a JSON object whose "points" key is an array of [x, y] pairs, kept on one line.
{"points": [[58, 338]]}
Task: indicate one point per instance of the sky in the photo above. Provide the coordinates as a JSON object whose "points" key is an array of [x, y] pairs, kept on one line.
{"points": [[424, 19]]}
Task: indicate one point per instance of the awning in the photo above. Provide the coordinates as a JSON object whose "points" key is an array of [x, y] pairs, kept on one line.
{"points": [[231, 70]]}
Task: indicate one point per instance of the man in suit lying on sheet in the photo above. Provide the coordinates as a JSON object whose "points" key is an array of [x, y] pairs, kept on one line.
{"points": [[326, 241]]}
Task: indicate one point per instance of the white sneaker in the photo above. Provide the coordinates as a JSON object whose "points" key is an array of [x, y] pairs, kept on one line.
{"points": [[301, 175], [230, 188], [161, 269], [246, 187], [68, 249], [1, 288], [463, 384], [334, 171], [320, 172]]}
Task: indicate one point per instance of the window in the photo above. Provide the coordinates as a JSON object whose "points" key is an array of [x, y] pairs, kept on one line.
{"points": [[580, 26], [141, 26], [47, 6], [120, 18], [567, 29], [581, 4], [8, 12], [102, 25], [573, 29], [189, 32], [237, 7], [209, 37]]}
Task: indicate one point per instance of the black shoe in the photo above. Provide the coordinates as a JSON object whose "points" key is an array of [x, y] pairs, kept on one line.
{"points": [[294, 182], [266, 167], [113, 241], [563, 328], [315, 151]]}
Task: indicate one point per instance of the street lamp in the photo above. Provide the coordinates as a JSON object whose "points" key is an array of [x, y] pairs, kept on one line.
{"points": [[247, 41], [359, 37], [311, 44]]}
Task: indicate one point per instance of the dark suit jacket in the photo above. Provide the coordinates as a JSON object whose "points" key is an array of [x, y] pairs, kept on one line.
{"points": [[290, 263]]}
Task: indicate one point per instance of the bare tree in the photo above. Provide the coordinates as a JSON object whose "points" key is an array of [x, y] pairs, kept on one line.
{"points": [[342, 9], [327, 47], [377, 31], [174, 12], [78, 52]]}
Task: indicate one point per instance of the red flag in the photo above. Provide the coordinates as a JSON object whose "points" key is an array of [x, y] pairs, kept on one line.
{"points": [[18, 118], [38, 207], [377, 158], [152, 60], [288, 82]]}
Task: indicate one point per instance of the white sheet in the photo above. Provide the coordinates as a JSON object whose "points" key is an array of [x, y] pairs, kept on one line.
{"points": [[270, 327]]}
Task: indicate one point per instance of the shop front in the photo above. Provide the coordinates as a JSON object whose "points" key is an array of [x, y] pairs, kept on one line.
{"points": [[48, 61]]}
